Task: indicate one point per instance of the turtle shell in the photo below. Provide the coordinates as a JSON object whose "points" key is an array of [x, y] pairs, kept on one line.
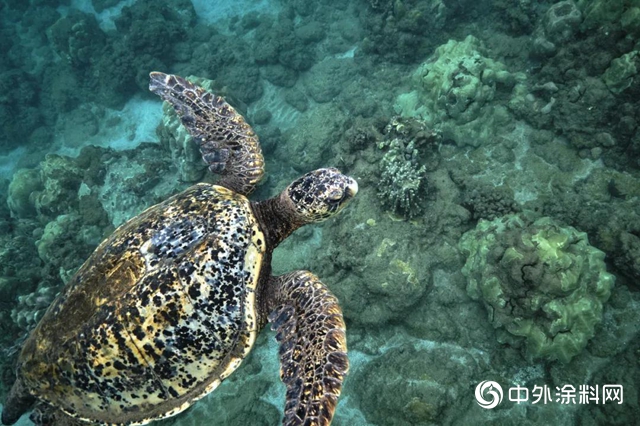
{"points": [[157, 317]]}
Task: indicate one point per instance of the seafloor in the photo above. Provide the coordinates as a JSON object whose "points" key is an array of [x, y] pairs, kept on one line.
{"points": [[496, 234]]}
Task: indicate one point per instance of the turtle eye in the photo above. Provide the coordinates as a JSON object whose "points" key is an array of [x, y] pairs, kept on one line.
{"points": [[335, 195]]}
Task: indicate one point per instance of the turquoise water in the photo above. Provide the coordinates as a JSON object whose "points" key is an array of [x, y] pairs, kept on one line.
{"points": [[496, 233]]}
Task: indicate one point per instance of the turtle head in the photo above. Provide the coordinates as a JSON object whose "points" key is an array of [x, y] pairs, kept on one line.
{"points": [[320, 194]]}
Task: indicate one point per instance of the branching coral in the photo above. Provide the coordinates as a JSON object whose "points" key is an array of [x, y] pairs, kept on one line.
{"points": [[402, 170], [402, 180]]}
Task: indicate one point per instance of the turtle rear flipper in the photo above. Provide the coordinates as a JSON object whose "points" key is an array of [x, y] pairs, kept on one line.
{"points": [[17, 403], [227, 143], [45, 415], [313, 349]]}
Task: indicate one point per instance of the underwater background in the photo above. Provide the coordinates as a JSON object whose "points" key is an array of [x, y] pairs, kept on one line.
{"points": [[496, 234]]}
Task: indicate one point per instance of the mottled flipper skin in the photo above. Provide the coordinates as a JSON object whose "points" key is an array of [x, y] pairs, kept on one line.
{"points": [[18, 401], [313, 347], [227, 143]]}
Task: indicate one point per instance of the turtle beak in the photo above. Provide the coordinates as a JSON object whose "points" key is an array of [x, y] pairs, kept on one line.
{"points": [[352, 188]]}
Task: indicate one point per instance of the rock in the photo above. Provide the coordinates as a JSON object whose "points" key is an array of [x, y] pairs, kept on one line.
{"points": [[562, 21], [621, 73]]}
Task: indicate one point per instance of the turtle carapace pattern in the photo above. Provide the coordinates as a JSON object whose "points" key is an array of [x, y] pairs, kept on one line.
{"points": [[171, 303]]}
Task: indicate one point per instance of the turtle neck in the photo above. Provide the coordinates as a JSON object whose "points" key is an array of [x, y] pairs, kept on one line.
{"points": [[277, 219]]}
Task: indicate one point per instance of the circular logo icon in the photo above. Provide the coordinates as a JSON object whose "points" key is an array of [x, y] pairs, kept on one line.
{"points": [[490, 389]]}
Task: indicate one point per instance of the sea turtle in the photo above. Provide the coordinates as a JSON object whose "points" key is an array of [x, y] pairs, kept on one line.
{"points": [[170, 304]]}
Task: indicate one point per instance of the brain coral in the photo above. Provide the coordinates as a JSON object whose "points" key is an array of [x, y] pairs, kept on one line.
{"points": [[541, 282]]}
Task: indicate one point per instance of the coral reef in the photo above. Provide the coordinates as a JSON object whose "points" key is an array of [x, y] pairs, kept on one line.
{"points": [[143, 179], [454, 90], [279, 75], [19, 113], [61, 179], [25, 183], [628, 260], [76, 38], [310, 142], [396, 30], [611, 14], [420, 385], [490, 203], [380, 279], [31, 307], [65, 243], [612, 219], [325, 80], [600, 52], [614, 342], [541, 283], [110, 66], [515, 18]]}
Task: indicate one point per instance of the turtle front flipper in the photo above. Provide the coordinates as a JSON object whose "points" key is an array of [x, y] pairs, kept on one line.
{"points": [[227, 143], [313, 347]]}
